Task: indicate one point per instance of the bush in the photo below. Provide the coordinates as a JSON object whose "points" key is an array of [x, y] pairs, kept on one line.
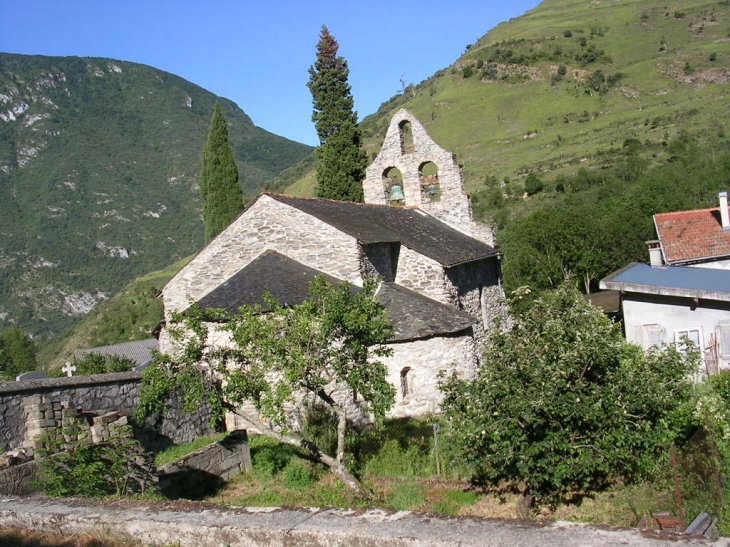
{"points": [[562, 403], [298, 475], [119, 466], [97, 363]]}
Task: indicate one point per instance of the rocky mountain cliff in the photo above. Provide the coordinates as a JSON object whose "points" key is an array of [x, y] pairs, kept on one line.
{"points": [[98, 179]]}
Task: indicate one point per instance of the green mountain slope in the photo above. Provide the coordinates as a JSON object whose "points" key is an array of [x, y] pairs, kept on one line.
{"points": [[98, 179], [131, 314], [563, 86]]}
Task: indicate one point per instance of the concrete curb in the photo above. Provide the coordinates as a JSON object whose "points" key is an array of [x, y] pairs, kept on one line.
{"points": [[208, 525]]}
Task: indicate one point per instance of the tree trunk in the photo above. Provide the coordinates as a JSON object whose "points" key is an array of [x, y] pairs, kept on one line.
{"points": [[341, 430], [337, 468]]}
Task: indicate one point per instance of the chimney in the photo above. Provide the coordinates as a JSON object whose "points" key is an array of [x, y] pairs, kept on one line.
{"points": [[723, 211], [655, 253]]}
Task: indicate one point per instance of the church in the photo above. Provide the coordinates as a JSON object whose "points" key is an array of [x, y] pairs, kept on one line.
{"points": [[438, 270]]}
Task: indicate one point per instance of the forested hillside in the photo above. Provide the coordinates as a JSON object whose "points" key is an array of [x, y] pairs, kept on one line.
{"points": [[98, 179]]}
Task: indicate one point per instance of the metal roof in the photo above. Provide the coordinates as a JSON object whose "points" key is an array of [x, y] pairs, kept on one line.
{"points": [[411, 227], [707, 283]]}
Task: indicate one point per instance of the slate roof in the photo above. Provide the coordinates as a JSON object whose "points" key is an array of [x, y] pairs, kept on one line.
{"points": [[692, 236], [415, 316], [412, 315], [683, 281], [139, 351], [286, 279], [411, 227]]}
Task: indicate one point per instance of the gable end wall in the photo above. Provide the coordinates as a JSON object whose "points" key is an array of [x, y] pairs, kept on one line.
{"points": [[267, 224]]}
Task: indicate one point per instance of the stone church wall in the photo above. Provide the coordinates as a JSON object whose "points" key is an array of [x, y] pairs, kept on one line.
{"points": [[418, 364], [422, 274], [453, 206], [267, 224]]}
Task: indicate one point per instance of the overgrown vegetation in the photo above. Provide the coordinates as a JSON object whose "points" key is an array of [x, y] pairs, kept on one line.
{"points": [[326, 348], [96, 363], [17, 354], [563, 404], [73, 466]]}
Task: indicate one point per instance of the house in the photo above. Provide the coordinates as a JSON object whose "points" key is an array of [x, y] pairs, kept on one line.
{"points": [[663, 305], [440, 274], [685, 291], [698, 238]]}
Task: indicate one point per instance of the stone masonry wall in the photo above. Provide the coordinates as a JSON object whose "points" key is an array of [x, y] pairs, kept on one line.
{"points": [[425, 359], [101, 393], [476, 289], [267, 224], [453, 207], [422, 274], [206, 468]]}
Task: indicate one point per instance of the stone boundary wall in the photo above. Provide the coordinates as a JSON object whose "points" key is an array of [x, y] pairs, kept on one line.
{"points": [[206, 468], [100, 393]]}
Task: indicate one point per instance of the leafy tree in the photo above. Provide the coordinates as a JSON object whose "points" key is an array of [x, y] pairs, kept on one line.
{"points": [[222, 195], [322, 349], [562, 403], [17, 353], [533, 184], [97, 363], [341, 160]]}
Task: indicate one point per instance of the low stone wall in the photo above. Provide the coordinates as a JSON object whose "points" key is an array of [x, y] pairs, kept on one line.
{"points": [[17, 480], [101, 393], [209, 525], [195, 475]]}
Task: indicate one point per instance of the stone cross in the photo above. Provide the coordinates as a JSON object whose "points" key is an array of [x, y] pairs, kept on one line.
{"points": [[68, 368]]}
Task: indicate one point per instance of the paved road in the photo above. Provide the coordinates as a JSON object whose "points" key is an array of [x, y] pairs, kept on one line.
{"points": [[207, 525]]}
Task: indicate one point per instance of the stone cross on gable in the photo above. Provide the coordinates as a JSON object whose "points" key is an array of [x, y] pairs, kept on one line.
{"points": [[68, 368]]}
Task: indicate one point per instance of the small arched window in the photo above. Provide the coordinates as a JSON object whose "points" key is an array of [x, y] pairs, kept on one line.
{"points": [[406, 138], [405, 387]]}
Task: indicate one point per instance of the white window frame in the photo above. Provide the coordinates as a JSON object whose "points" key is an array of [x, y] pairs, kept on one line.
{"points": [[680, 333]]}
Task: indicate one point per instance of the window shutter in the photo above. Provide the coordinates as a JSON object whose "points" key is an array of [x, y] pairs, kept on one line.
{"points": [[648, 336], [723, 338]]}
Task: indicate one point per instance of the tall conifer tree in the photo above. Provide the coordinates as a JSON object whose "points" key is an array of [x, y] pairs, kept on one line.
{"points": [[342, 161], [222, 195]]}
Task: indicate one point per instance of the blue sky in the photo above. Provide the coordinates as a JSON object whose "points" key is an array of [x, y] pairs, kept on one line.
{"points": [[257, 53]]}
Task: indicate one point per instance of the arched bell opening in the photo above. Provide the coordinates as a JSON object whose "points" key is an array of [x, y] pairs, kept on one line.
{"points": [[428, 174], [393, 186], [406, 137]]}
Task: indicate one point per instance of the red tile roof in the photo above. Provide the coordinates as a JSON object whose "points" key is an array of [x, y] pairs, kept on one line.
{"points": [[692, 236]]}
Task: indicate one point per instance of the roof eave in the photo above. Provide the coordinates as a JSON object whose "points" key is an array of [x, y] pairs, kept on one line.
{"points": [[664, 291]]}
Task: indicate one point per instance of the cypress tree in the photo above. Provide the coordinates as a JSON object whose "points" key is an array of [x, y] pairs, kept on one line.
{"points": [[341, 160], [222, 195]]}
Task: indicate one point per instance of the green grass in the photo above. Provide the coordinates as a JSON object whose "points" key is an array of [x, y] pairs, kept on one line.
{"points": [[179, 450], [485, 121]]}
